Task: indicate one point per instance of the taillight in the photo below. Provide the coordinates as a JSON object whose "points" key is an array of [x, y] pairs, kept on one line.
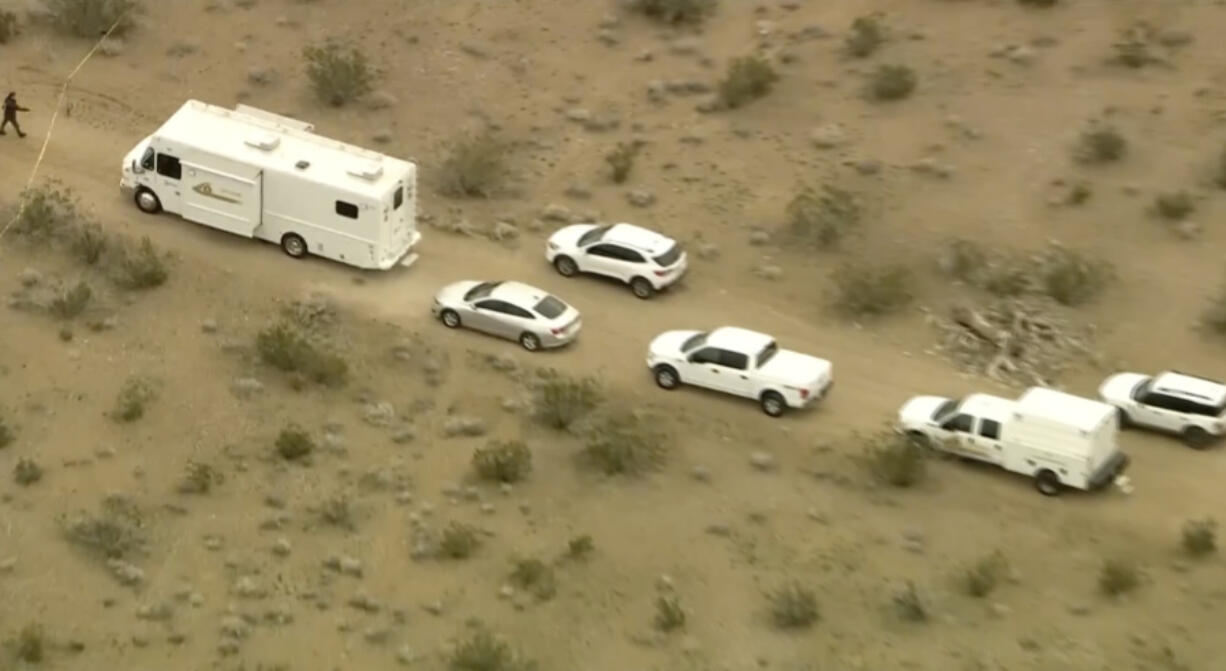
{"points": [[662, 273], [557, 331], [804, 393]]}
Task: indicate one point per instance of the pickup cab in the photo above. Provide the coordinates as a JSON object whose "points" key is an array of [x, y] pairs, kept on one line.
{"points": [[969, 427]]}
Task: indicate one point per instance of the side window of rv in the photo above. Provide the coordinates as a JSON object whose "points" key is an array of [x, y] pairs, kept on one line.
{"points": [[961, 423], [398, 198], [347, 210], [989, 429], [169, 166]]}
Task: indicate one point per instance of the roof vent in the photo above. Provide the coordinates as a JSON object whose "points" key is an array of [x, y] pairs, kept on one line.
{"points": [[302, 165], [366, 170], [264, 141]]}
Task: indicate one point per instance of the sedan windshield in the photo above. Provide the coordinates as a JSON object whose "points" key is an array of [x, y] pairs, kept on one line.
{"points": [[480, 291], [945, 410], [669, 257], [594, 235], [693, 342], [550, 307]]}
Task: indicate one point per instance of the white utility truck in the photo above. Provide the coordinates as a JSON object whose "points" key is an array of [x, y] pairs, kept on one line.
{"points": [[1059, 439], [269, 177]]}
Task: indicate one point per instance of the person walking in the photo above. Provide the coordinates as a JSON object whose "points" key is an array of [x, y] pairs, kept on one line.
{"points": [[11, 108]]}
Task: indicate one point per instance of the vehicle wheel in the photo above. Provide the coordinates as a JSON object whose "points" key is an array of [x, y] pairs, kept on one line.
{"points": [[565, 266], [530, 342], [1196, 437], [773, 404], [294, 245], [642, 288], [148, 201], [1125, 420], [1048, 483], [667, 378], [450, 319]]}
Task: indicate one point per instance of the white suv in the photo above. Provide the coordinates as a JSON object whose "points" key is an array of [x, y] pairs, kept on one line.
{"points": [[1172, 402], [739, 362], [643, 259]]}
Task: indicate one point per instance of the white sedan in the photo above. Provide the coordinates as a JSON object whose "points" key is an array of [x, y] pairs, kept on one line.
{"points": [[512, 310], [645, 260], [740, 362]]}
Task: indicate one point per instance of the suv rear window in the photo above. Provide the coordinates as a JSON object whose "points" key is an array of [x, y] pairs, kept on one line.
{"points": [[669, 257], [550, 307]]}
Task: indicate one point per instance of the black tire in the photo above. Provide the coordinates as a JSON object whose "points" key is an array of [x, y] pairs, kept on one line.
{"points": [[667, 377], [1196, 437], [529, 341], [450, 319], [1048, 483], [566, 266], [642, 288], [773, 404], [293, 245], [1125, 420], [147, 201]]}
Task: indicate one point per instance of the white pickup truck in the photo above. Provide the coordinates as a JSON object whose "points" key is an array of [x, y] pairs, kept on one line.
{"points": [[740, 362], [1059, 439]]}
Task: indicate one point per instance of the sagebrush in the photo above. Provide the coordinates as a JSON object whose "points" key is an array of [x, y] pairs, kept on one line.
{"points": [[475, 166], [793, 606], [866, 36], [483, 651], [1100, 143], [624, 443], [1200, 537], [892, 82], [91, 18], [865, 290], [287, 348], [562, 401], [339, 73], [1118, 577], [822, 217], [896, 459], [674, 12], [503, 461], [748, 78], [8, 26], [294, 443]]}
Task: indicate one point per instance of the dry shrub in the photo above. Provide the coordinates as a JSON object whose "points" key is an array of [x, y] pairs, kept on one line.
{"points": [[670, 616], [48, 212], [580, 547], [1219, 176], [1069, 276], [72, 302], [1100, 143], [482, 651], [27, 472], [335, 511], [140, 266], [8, 26], [294, 443], [199, 478], [287, 348], [674, 12], [623, 443], [1118, 577], [339, 73], [866, 36], [1176, 205], [7, 435], [459, 541], [536, 577], [892, 82], [793, 606], [1066, 275], [475, 166], [89, 244], [503, 461], [896, 459], [822, 218], [1134, 48], [982, 577], [117, 531], [30, 647], [1214, 317], [862, 290], [621, 160], [135, 394], [91, 18], [562, 401], [909, 605], [1200, 537], [1037, 3], [748, 78]]}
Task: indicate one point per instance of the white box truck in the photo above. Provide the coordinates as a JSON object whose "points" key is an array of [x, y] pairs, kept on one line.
{"points": [[1059, 439], [269, 177]]}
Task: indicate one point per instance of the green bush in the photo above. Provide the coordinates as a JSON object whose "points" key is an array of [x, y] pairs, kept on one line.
{"points": [[822, 218], [748, 78], [29, 646], [892, 82], [91, 18], [27, 472], [475, 166], [503, 461], [46, 213], [622, 443], [294, 443], [339, 73], [674, 12], [866, 36], [117, 532], [89, 244], [286, 348], [562, 401], [482, 651], [862, 290], [459, 541], [199, 478]]}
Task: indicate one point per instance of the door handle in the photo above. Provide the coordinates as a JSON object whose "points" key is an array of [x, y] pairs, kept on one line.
{"points": [[715, 370], [744, 377]]}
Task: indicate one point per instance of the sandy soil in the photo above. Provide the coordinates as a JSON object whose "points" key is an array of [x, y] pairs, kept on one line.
{"points": [[250, 557]]}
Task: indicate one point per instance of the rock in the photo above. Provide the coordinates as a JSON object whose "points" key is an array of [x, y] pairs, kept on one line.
{"points": [[126, 573], [1188, 230], [504, 231], [248, 587], [433, 607], [404, 435], [381, 100], [578, 192], [759, 237], [701, 473], [1021, 55], [350, 566], [707, 251], [686, 46], [867, 166], [769, 272], [645, 56], [932, 167], [376, 635], [828, 136], [763, 461], [382, 136], [578, 114], [640, 197], [233, 626], [506, 592], [282, 547], [246, 388], [406, 655], [719, 530], [379, 414], [365, 603], [30, 278], [209, 326], [709, 104], [608, 37], [657, 91], [469, 427], [556, 212], [159, 612]]}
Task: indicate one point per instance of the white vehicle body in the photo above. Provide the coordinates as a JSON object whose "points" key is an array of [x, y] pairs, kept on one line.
{"points": [[512, 310], [740, 362], [264, 176], [1170, 402], [1059, 439], [643, 259]]}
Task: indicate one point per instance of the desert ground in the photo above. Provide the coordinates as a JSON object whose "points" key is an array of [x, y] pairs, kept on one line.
{"points": [[170, 499]]}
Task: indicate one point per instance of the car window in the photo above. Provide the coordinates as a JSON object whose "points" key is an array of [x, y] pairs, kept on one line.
{"points": [[629, 255], [961, 422], [605, 251], [693, 341], [516, 311], [707, 355], [989, 429], [169, 166], [945, 410], [767, 353], [669, 257], [734, 360], [550, 307], [1161, 401], [480, 291], [493, 305], [594, 235]]}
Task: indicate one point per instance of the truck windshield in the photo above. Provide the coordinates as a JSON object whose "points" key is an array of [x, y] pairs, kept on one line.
{"points": [[945, 410], [767, 353], [693, 342]]}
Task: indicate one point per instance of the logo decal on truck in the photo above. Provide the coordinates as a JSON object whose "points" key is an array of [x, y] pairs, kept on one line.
{"points": [[206, 189]]}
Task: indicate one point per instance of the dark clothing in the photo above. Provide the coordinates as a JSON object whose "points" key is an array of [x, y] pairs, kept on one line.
{"points": [[11, 108]]}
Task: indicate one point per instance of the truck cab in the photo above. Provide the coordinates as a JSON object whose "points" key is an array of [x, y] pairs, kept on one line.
{"points": [[969, 426]]}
